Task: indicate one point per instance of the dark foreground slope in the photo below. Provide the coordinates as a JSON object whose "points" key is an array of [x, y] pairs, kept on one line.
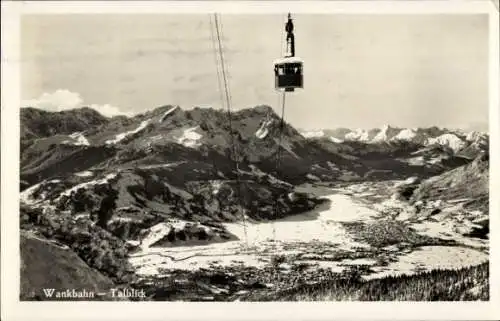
{"points": [[46, 265], [251, 284], [466, 284], [97, 247]]}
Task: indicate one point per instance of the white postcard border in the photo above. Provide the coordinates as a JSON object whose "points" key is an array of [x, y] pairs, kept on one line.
{"points": [[12, 309]]}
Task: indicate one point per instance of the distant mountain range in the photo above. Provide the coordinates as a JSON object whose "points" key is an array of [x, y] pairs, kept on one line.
{"points": [[460, 142]]}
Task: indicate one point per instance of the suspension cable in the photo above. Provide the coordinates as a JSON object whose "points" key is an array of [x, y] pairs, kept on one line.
{"points": [[281, 99], [278, 157], [214, 47], [277, 172], [233, 150]]}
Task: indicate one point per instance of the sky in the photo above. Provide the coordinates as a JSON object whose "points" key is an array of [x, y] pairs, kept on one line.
{"points": [[360, 71]]}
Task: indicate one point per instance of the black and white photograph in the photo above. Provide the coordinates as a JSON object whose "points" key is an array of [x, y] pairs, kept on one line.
{"points": [[276, 156]]}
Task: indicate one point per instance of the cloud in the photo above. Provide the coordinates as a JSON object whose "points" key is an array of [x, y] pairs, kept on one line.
{"points": [[108, 110], [63, 99]]}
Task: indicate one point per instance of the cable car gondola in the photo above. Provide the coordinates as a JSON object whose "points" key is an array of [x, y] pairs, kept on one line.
{"points": [[288, 71]]}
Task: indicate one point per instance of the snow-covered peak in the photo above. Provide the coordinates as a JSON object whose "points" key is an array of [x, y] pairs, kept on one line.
{"points": [[475, 136], [359, 135], [450, 140], [456, 140], [406, 134], [385, 134]]}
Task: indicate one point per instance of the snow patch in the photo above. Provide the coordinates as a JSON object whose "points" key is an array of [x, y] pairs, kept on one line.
{"points": [[312, 177], [122, 136], [101, 181], [313, 134], [450, 228], [263, 131], [332, 166], [78, 139], [164, 165], [335, 139], [415, 161], [216, 185], [190, 138], [428, 258], [321, 225], [155, 233], [156, 138], [122, 219], [409, 181], [437, 160], [84, 174], [347, 176], [26, 196], [287, 146], [168, 112], [361, 261], [133, 242]]}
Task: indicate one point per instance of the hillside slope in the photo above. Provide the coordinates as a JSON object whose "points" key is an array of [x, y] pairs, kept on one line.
{"points": [[470, 181], [45, 265], [37, 123]]}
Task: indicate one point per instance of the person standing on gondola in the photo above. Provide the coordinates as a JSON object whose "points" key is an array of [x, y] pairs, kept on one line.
{"points": [[289, 35]]}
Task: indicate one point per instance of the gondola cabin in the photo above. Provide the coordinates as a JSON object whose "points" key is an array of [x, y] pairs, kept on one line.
{"points": [[288, 73]]}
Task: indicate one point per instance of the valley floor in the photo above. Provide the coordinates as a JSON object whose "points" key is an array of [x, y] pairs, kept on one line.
{"points": [[362, 234]]}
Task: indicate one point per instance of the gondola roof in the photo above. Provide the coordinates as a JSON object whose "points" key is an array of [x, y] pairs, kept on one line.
{"points": [[285, 60]]}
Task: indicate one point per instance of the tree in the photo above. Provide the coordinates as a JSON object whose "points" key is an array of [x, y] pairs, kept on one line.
{"points": [[106, 209], [81, 201]]}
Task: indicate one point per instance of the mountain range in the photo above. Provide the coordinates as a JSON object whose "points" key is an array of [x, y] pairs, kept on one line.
{"points": [[171, 175], [459, 141], [55, 143]]}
